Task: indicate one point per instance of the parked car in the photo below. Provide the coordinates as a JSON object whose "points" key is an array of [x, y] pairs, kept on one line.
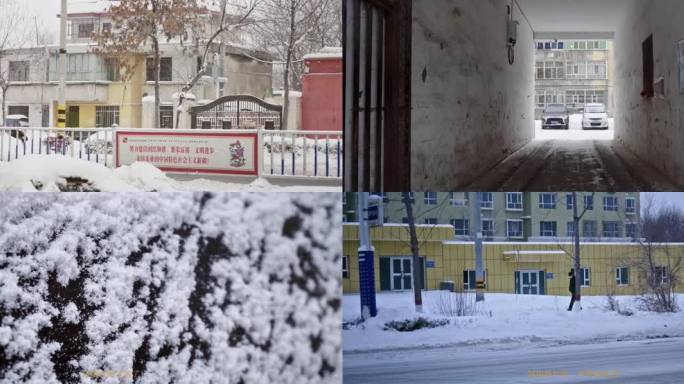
{"points": [[595, 117], [556, 116], [18, 123]]}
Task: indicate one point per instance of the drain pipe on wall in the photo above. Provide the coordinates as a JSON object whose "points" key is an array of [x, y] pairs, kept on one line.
{"points": [[512, 34]]}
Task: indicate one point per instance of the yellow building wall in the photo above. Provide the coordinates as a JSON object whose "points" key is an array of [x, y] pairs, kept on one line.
{"points": [[452, 258]]}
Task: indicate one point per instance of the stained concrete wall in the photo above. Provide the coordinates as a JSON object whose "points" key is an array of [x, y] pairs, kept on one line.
{"points": [[651, 128], [470, 108]]}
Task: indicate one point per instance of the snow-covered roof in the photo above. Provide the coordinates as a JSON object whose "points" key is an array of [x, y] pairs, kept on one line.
{"points": [[325, 53]]}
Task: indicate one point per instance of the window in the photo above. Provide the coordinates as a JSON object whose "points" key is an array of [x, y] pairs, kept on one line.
{"points": [[589, 203], [584, 276], [611, 229], [411, 196], [661, 275], [514, 201], [547, 228], [487, 200], [404, 220], [589, 228], [631, 230], [430, 198], [457, 199], [470, 279], [630, 205], [547, 200], [19, 70], [622, 275], [431, 221], [166, 117], [85, 30], [106, 27], [487, 227], [550, 70], [570, 201], [165, 67], [78, 67], [610, 203], [514, 229], [345, 267], [112, 69], [460, 227], [570, 229], [647, 57], [106, 116]]}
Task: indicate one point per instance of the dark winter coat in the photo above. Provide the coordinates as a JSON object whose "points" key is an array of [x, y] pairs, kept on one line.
{"points": [[572, 285]]}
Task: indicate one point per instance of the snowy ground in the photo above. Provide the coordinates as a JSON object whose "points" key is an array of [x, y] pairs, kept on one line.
{"points": [[575, 132], [504, 319], [50, 173], [160, 288]]}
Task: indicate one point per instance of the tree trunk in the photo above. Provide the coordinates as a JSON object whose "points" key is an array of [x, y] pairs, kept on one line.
{"points": [[4, 93], [288, 63], [414, 251], [157, 71], [578, 283]]}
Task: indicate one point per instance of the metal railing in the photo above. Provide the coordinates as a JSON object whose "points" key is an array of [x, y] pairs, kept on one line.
{"points": [[302, 153], [306, 154], [91, 144]]}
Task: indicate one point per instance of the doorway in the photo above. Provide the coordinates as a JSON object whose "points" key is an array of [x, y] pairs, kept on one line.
{"points": [[73, 117], [530, 282]]}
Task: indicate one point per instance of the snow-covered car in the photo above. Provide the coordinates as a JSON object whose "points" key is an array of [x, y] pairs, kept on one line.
{"points": [[595, 117], [556, 116]]}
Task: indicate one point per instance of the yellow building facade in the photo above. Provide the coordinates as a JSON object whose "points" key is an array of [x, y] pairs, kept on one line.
{"points": [[511, 267]]}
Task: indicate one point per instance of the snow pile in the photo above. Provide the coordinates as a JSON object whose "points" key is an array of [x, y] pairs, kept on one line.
{"points": [[201, 288], [55, 173], [504, 318]]}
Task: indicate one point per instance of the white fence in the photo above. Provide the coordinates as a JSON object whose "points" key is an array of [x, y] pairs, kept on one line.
{"points": [[289, 154]]}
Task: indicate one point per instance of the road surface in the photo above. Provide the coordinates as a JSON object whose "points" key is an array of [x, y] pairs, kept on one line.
{"points": [[646, 361]]}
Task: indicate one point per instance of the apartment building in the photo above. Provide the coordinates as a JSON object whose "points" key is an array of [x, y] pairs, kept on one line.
{"points": [[96, 94], [535, 268], [518, 216], [573, 72]]}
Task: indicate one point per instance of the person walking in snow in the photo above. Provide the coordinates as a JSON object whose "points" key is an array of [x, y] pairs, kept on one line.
{"points": [[572, 288]]}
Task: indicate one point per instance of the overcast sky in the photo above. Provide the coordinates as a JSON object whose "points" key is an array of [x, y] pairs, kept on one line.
{"points": [[660, 198]]}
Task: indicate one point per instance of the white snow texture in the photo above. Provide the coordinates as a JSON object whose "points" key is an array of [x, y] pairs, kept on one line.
{"points": [[170, 287]]}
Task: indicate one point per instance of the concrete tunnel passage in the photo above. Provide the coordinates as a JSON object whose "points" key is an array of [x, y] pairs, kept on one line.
{"points": [[432, 103]]}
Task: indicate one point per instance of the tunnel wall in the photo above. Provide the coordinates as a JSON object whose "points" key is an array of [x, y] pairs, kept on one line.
{"points": [[470, 108], [651, 127]]}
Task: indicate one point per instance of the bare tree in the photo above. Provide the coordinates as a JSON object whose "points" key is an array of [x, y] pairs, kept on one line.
{"points": [[659, 264], [417, 286], [139, 26], [211, 40], [15, 33], [290, 29]]}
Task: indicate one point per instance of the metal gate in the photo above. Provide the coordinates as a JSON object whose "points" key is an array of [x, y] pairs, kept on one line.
{"points": [[237, 112]]}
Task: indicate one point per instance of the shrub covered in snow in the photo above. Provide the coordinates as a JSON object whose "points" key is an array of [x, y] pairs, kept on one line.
{"points": [[410, 325], [185, 288]]}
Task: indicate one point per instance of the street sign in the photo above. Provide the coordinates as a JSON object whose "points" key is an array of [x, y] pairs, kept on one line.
{"points": [[430, 264], [374, 212], [549, 275], [480, 284]]}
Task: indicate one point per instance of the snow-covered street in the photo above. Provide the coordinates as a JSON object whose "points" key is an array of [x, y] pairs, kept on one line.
{"points": [[645, 361]]}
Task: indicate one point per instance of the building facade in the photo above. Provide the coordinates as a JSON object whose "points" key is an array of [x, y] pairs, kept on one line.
{"points": [[574, 73], [538, 268], [518, 216], [98, 96]]}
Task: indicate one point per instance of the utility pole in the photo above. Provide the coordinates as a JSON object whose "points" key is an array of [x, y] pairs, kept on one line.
{"points": [[479, 268], [366, 260], [61, 103], [576, 219], [417, 286]]}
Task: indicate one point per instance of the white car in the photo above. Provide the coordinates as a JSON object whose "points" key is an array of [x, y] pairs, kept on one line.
{"points": [[595, 117]]}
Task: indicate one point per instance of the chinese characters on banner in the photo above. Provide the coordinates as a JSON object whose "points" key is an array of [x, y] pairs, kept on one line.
{"points": [[190, 152]]}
